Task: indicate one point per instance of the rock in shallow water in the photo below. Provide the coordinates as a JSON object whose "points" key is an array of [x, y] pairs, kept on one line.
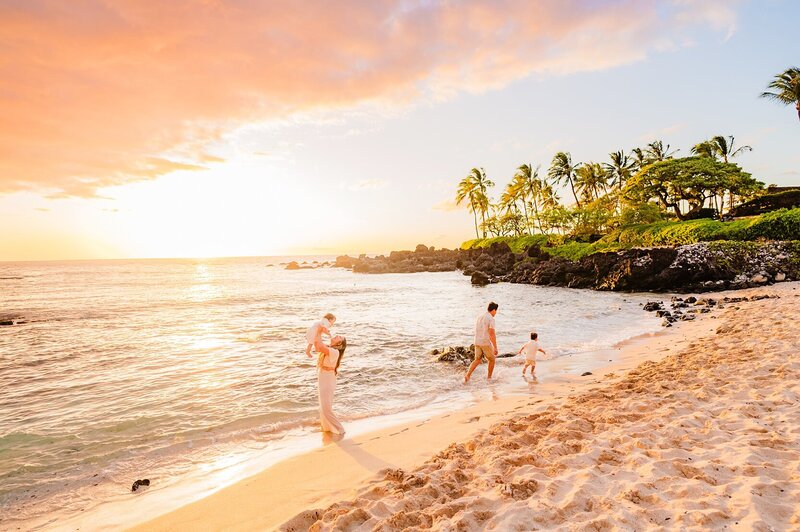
{"points": [[480, 279]]}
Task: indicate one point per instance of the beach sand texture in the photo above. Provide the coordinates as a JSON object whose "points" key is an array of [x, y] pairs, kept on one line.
{"points": [[708, 437]]}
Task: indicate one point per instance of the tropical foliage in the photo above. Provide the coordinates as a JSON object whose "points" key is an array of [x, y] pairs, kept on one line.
{"points": [[685, 185], [785, 88], [644, 185]]}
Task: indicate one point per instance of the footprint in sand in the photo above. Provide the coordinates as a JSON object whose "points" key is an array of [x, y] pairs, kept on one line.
{"points": [[473, 419]]}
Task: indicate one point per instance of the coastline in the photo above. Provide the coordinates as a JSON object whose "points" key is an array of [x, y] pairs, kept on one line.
{"points": [[333, 472]]}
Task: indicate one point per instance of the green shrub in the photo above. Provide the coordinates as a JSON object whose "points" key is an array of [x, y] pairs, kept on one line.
{"points": [[518, 244], [572, 250], [783, 224]]}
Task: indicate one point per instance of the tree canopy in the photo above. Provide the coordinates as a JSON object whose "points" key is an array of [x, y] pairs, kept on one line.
{"points": [[685, 184]]}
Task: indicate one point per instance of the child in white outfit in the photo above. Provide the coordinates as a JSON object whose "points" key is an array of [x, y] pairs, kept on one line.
{"points": [[314, 333], [530, 349]]}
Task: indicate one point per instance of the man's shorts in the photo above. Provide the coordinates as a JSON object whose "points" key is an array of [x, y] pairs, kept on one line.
{"points": [[484, 350]]}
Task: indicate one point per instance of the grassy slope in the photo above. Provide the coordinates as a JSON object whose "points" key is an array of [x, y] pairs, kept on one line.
{"points": [[783, 224]]}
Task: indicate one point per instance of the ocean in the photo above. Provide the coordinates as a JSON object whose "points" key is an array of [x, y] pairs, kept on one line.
{"points": [[178, 370]]}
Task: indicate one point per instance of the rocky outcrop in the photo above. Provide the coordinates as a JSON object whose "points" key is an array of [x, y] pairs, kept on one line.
{"points": [[460, 354], [687, 309], [692, 268], [422, 259], [701, 267], [294, 265]]}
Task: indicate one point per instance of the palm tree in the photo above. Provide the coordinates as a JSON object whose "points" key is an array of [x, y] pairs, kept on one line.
{"points": [[786, 88], [705, 149], [724, 147], [532, 186], [620, 168], [656, 151], [468, 191], [590, 179], [639, 159], [508, 200], [518, 191], [474, 187], [562, 170]]}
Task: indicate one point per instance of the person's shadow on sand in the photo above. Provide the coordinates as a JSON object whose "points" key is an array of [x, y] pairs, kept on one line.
{"points": [[330, 437], [365, 459]]}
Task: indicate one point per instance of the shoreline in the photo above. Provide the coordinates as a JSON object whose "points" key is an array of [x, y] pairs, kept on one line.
{"points": [[327, 474]]}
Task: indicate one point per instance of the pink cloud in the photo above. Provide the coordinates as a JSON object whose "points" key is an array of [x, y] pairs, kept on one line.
{"points": [[98, 93]]}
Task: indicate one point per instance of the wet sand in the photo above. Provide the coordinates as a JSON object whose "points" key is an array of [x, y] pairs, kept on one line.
{"points": [[695, 427]]}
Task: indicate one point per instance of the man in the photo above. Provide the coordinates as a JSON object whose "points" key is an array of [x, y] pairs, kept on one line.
{"points": [[485, 341]]}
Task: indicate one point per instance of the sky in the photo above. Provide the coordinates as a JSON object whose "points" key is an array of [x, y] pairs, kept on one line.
{"points": [[243, 128]]}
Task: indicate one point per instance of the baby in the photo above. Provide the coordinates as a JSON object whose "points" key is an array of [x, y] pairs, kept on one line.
{"points": [[314, 333], [530, 349]]}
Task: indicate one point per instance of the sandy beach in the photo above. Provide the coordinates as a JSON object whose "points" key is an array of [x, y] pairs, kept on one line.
{"points": [[696, 427]]}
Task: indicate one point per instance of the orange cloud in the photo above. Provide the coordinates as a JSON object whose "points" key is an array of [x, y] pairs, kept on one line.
{"points": [[98, 93]]}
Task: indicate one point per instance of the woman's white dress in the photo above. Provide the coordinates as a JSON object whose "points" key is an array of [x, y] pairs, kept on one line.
{"points": [[327, 386]]}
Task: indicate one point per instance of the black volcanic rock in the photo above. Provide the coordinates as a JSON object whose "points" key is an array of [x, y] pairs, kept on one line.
{"points": [[140, 483], [702, 267], [480, 279]]}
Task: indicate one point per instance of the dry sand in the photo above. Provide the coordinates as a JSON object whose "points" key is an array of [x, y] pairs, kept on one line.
{"points": [[704, 434]]}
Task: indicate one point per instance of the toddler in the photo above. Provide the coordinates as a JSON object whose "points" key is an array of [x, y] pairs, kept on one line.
{"points": [[314, 333], [530, 349]]}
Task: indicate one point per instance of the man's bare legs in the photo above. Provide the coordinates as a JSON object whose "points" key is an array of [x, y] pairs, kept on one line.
{"points": [[471, 369], [479, 353], [491, 366]]}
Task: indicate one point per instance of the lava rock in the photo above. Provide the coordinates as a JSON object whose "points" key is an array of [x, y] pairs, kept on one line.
{"points": [[586, 373], [651, 306], [140, 483], [480, 279]]}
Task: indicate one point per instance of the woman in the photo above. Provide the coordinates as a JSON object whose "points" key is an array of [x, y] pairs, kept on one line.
{"points": [[328, 368]]}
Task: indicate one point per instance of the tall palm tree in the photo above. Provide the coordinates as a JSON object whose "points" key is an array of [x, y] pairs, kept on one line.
{"points": [[475, 187], [467, 191], [619, 169], [562, 170], [508, 200], [724, 147], [532, 188], [590, 179], [639, 159], [656, 151], [518, 190], [786, 87]]}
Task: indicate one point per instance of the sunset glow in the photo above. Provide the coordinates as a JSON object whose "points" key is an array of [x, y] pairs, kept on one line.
{"points": [[133, 129]]}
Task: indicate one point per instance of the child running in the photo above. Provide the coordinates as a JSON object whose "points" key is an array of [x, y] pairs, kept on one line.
{"points": [[530, 349], [314, 333]]}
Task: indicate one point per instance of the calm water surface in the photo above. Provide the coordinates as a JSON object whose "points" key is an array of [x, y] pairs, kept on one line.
{"points": [[128, 369]]}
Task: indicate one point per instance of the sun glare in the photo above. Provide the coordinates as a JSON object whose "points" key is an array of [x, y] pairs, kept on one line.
{"points": [[232, 209]]}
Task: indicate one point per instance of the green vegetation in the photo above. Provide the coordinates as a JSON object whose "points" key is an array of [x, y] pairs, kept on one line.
{"points": [[783, 224], [646, 185], [685, 185]]}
